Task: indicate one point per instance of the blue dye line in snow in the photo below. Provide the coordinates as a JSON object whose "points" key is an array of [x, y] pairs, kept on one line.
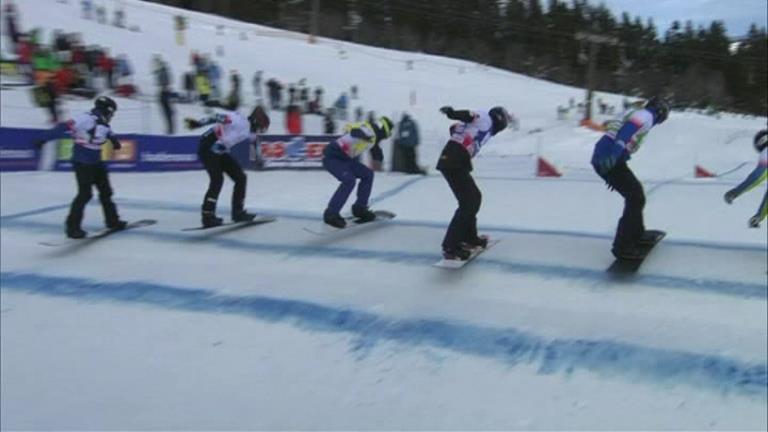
{"points": [[394, 191], [507, 345], [678, 181], [382, 196], [33, 212], [715, 286], [303, 215]]}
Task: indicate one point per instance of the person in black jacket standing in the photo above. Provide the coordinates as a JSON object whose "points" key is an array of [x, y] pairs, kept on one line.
{"points": [[472, 132]]}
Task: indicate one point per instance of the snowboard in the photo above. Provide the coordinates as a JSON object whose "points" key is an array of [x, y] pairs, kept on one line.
{"points": [[352, 222], [623, 266], [457, 263], [258, 220], [95, 235]]}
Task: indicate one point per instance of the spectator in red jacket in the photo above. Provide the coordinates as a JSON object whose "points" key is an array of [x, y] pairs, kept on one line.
{"points": [[293, 120], [63, 80]]}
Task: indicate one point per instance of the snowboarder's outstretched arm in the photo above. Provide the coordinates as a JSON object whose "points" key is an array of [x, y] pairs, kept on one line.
{"points": [[754, 178], [757, 176], [205, 121], [761, 214], [465, 116], [59, 131]]}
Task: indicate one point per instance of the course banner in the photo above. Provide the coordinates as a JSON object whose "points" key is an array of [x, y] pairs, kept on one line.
{"points": [[140, 153], [161, 153], [290, 151], [17, 149]]}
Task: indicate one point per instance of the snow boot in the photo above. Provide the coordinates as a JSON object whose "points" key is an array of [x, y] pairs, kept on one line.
{"points": [[478, 242], [242, 216], [460, 254], [628, 253], [209, 219], [647, 239], [363, 214], [76, 233], [334, 220], [117, 224]]}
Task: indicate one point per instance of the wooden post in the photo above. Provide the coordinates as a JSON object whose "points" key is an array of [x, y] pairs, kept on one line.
{"points": [[595, 40]]}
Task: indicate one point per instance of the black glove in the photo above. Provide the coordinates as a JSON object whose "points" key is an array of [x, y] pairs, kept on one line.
{"points": [[376, 153], [39, 144], [447, 110], [730, 196], [192, 123], [115, 142]]}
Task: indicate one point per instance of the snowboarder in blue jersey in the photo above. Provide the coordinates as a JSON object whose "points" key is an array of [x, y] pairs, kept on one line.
{"points": [[472, 132], [89, 131], [623, 137], [757, 176], [231, 128], [341, 158]]}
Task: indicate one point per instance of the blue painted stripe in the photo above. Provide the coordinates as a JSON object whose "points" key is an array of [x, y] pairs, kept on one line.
{"points": [[33, 212], [698, 285], [679, 181], [394, 191], [507, 345], [312, 216]]}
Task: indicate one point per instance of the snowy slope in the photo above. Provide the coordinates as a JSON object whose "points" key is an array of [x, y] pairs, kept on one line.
{"points": [[271, 327]]}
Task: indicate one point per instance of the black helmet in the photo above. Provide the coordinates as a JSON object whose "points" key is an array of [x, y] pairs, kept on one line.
{"points": [[105, 105], [660, 106], [761, 140], [259, 120], [500, 119]]}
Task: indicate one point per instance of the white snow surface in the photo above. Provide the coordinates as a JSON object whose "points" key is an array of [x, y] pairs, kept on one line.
{"points": [[272, 327]]}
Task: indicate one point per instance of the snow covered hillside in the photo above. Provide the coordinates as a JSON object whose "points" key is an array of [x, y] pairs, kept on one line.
{"points": [[272, 327]]}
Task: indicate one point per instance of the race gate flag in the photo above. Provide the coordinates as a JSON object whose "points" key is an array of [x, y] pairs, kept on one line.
{"points": [[291, 151]]}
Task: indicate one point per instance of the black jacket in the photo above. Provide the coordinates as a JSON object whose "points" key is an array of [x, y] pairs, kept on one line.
{"points": [[454, 156]]}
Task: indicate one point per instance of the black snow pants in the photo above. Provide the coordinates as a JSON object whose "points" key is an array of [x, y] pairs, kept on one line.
{"points": [[89, 175], [216, 165], [463, 226], [631, 226]]}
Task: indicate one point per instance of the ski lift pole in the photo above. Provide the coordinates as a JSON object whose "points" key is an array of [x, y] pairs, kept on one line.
{"points": [[595, 41]]}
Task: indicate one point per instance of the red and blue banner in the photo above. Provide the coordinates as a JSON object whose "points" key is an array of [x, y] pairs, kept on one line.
{"points": [[291, 151], [162, 153]]}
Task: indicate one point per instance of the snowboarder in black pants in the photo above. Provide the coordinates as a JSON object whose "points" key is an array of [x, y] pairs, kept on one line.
{"points": [[472, 132], [623, 136], [89, 132], [230, 128]]}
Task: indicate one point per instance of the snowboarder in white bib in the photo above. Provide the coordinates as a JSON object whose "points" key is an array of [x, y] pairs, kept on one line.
{"points": [[89, 132], [472, 132], [230, 128]]}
